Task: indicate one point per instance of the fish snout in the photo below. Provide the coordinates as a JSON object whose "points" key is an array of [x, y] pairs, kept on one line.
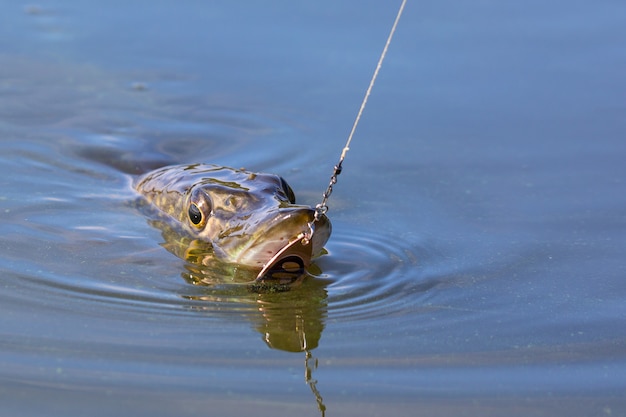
{"points": [[301, 220], [292, 238]]}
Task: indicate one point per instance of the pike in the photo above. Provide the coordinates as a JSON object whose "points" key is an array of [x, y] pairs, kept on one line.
{"points": [[249, 219]]}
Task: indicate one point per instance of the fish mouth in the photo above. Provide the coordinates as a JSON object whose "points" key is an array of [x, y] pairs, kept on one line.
{"points": [[279, 234]]}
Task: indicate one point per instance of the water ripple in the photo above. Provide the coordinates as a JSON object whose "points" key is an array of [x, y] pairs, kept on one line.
{"points": [[364, 275], [373, 275]]}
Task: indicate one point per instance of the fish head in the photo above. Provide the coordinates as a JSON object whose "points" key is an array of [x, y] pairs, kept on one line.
{"points": [[249, 218]]}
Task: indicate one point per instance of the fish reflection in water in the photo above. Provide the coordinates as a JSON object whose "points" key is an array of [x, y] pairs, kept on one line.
{"points": [[234, 219], [291, 321]]}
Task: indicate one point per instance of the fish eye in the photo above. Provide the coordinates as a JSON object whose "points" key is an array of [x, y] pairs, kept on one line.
{"points": [[199, 209], [288, 191], [195, 215]]}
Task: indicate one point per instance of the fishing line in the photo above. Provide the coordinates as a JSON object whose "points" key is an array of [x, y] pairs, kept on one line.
{"points": [[298, 252], [322, 207]]}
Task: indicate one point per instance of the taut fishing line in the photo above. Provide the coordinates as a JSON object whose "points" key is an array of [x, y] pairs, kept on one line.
{"points": [[322, 207], [289, 263]]}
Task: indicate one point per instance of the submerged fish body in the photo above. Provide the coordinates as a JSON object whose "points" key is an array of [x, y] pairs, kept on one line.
{"points": [[248, 218]]}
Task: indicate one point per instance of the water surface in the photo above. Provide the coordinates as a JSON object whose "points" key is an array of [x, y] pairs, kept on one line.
{"points": [[476, 264]]}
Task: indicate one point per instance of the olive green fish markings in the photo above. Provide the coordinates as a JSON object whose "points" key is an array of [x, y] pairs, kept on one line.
{"points": [[248, 218]]}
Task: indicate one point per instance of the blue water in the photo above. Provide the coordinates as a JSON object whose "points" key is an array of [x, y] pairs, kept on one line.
{"points": [[477, 258]]}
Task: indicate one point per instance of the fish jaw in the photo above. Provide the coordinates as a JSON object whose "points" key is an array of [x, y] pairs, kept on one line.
{"points": [[277, 231]]}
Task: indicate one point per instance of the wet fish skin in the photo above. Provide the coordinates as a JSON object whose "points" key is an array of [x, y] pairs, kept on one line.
{"points": [[246, 217]]}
